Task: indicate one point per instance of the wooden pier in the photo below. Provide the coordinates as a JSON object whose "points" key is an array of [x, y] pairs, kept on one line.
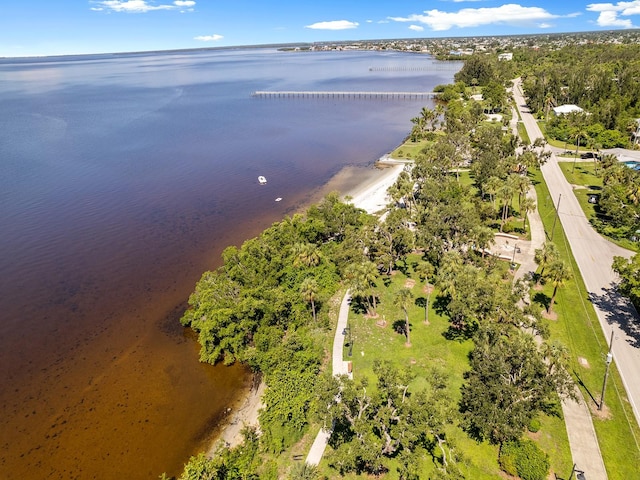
{"points": [[345, 95]]}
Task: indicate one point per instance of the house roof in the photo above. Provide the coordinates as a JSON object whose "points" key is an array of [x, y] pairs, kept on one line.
{"points": [[564, 109]]}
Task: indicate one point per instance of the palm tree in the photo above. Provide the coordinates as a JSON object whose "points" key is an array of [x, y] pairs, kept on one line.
{"points": [[306, 254], [549, 103], [362, 281], [483, 237], [491, 186], [527, 205], [559, 274], [545, 256], [578, 134], [522, 184], [309, 291], [505, 194], [402, 299], [428, 118], [425, 271], [555, 354], [633, 189]]}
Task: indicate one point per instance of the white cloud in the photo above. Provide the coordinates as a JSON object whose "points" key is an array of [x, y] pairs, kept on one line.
{"points": [[209, 38], [416, 28], [545, 25], [140, 6], [509, 14], [333, 25], [609, 13]]}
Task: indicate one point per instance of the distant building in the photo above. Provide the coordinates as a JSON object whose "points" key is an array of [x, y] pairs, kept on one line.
{"points": [[567, 109], [505, 56]]}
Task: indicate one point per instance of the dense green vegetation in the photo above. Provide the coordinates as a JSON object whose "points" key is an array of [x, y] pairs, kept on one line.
{"points": [[601, 79], [266, 307]]}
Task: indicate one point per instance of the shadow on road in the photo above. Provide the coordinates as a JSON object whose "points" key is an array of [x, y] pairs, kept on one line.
{"points": [[620, 312]]}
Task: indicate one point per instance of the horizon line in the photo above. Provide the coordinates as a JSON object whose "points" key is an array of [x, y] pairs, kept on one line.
{"points": [[319, 42]]}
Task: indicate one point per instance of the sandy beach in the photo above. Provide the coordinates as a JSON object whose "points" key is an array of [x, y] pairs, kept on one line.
{"points": [[370, 195]]}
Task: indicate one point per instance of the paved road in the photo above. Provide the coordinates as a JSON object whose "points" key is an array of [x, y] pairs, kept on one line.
{"points": [[339, 367], [594, 256]]}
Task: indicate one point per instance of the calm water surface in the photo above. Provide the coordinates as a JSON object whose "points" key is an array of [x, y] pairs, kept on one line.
{"points": [[122, 178]]}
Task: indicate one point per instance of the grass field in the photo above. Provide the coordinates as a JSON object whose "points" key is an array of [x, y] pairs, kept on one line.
{"points": [[585, 183], [409, 149]]}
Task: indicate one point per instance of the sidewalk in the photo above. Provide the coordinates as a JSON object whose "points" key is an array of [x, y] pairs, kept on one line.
{"points": [[339, 367]]}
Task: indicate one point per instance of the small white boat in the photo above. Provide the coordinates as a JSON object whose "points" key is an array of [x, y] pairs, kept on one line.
{"points": [[278, 199], [262, 180]]}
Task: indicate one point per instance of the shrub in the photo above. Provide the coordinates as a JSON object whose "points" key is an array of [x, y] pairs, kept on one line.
{"points": [[534, 425], [507, 458], [508, 227], [525, 458]]}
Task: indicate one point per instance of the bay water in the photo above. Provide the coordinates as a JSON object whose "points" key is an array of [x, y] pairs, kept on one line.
{"points": [[122, 178]]}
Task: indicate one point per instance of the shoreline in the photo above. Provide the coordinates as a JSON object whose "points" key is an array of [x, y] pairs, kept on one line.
{"points": [[370, 194]]}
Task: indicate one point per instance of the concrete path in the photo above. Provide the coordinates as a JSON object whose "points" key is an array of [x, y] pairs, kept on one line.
{"points": [[339, 367]]}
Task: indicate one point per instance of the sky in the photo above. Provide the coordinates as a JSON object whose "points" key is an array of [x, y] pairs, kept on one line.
{"points": [[65, 27]]}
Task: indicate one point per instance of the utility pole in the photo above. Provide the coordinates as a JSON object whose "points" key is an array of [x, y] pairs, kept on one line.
{"points": [[555, 219], [606, 372]]}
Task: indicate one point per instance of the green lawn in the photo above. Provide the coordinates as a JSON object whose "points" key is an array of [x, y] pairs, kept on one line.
{"points": [[409, 149], [430, 350], [522, 133], [578, 328], [586, 183]]}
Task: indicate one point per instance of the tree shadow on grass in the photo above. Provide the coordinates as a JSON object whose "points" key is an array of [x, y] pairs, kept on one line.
{"points": [[399, 326], [358, 306], [440, 304], [542, 299], [620, 312], [460, 333]]}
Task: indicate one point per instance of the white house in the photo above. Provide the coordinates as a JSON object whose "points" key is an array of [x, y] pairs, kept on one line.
{"points": [[567, 109]]}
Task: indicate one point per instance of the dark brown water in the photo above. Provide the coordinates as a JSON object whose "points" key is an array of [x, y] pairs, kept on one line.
{"points": [[122, 178]]}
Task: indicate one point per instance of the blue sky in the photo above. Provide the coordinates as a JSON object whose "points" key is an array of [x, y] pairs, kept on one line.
{"points": [[57, 27]]}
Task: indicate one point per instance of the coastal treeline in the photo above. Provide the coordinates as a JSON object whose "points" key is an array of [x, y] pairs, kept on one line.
{"points": [[270, 306], [267, 306]]}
